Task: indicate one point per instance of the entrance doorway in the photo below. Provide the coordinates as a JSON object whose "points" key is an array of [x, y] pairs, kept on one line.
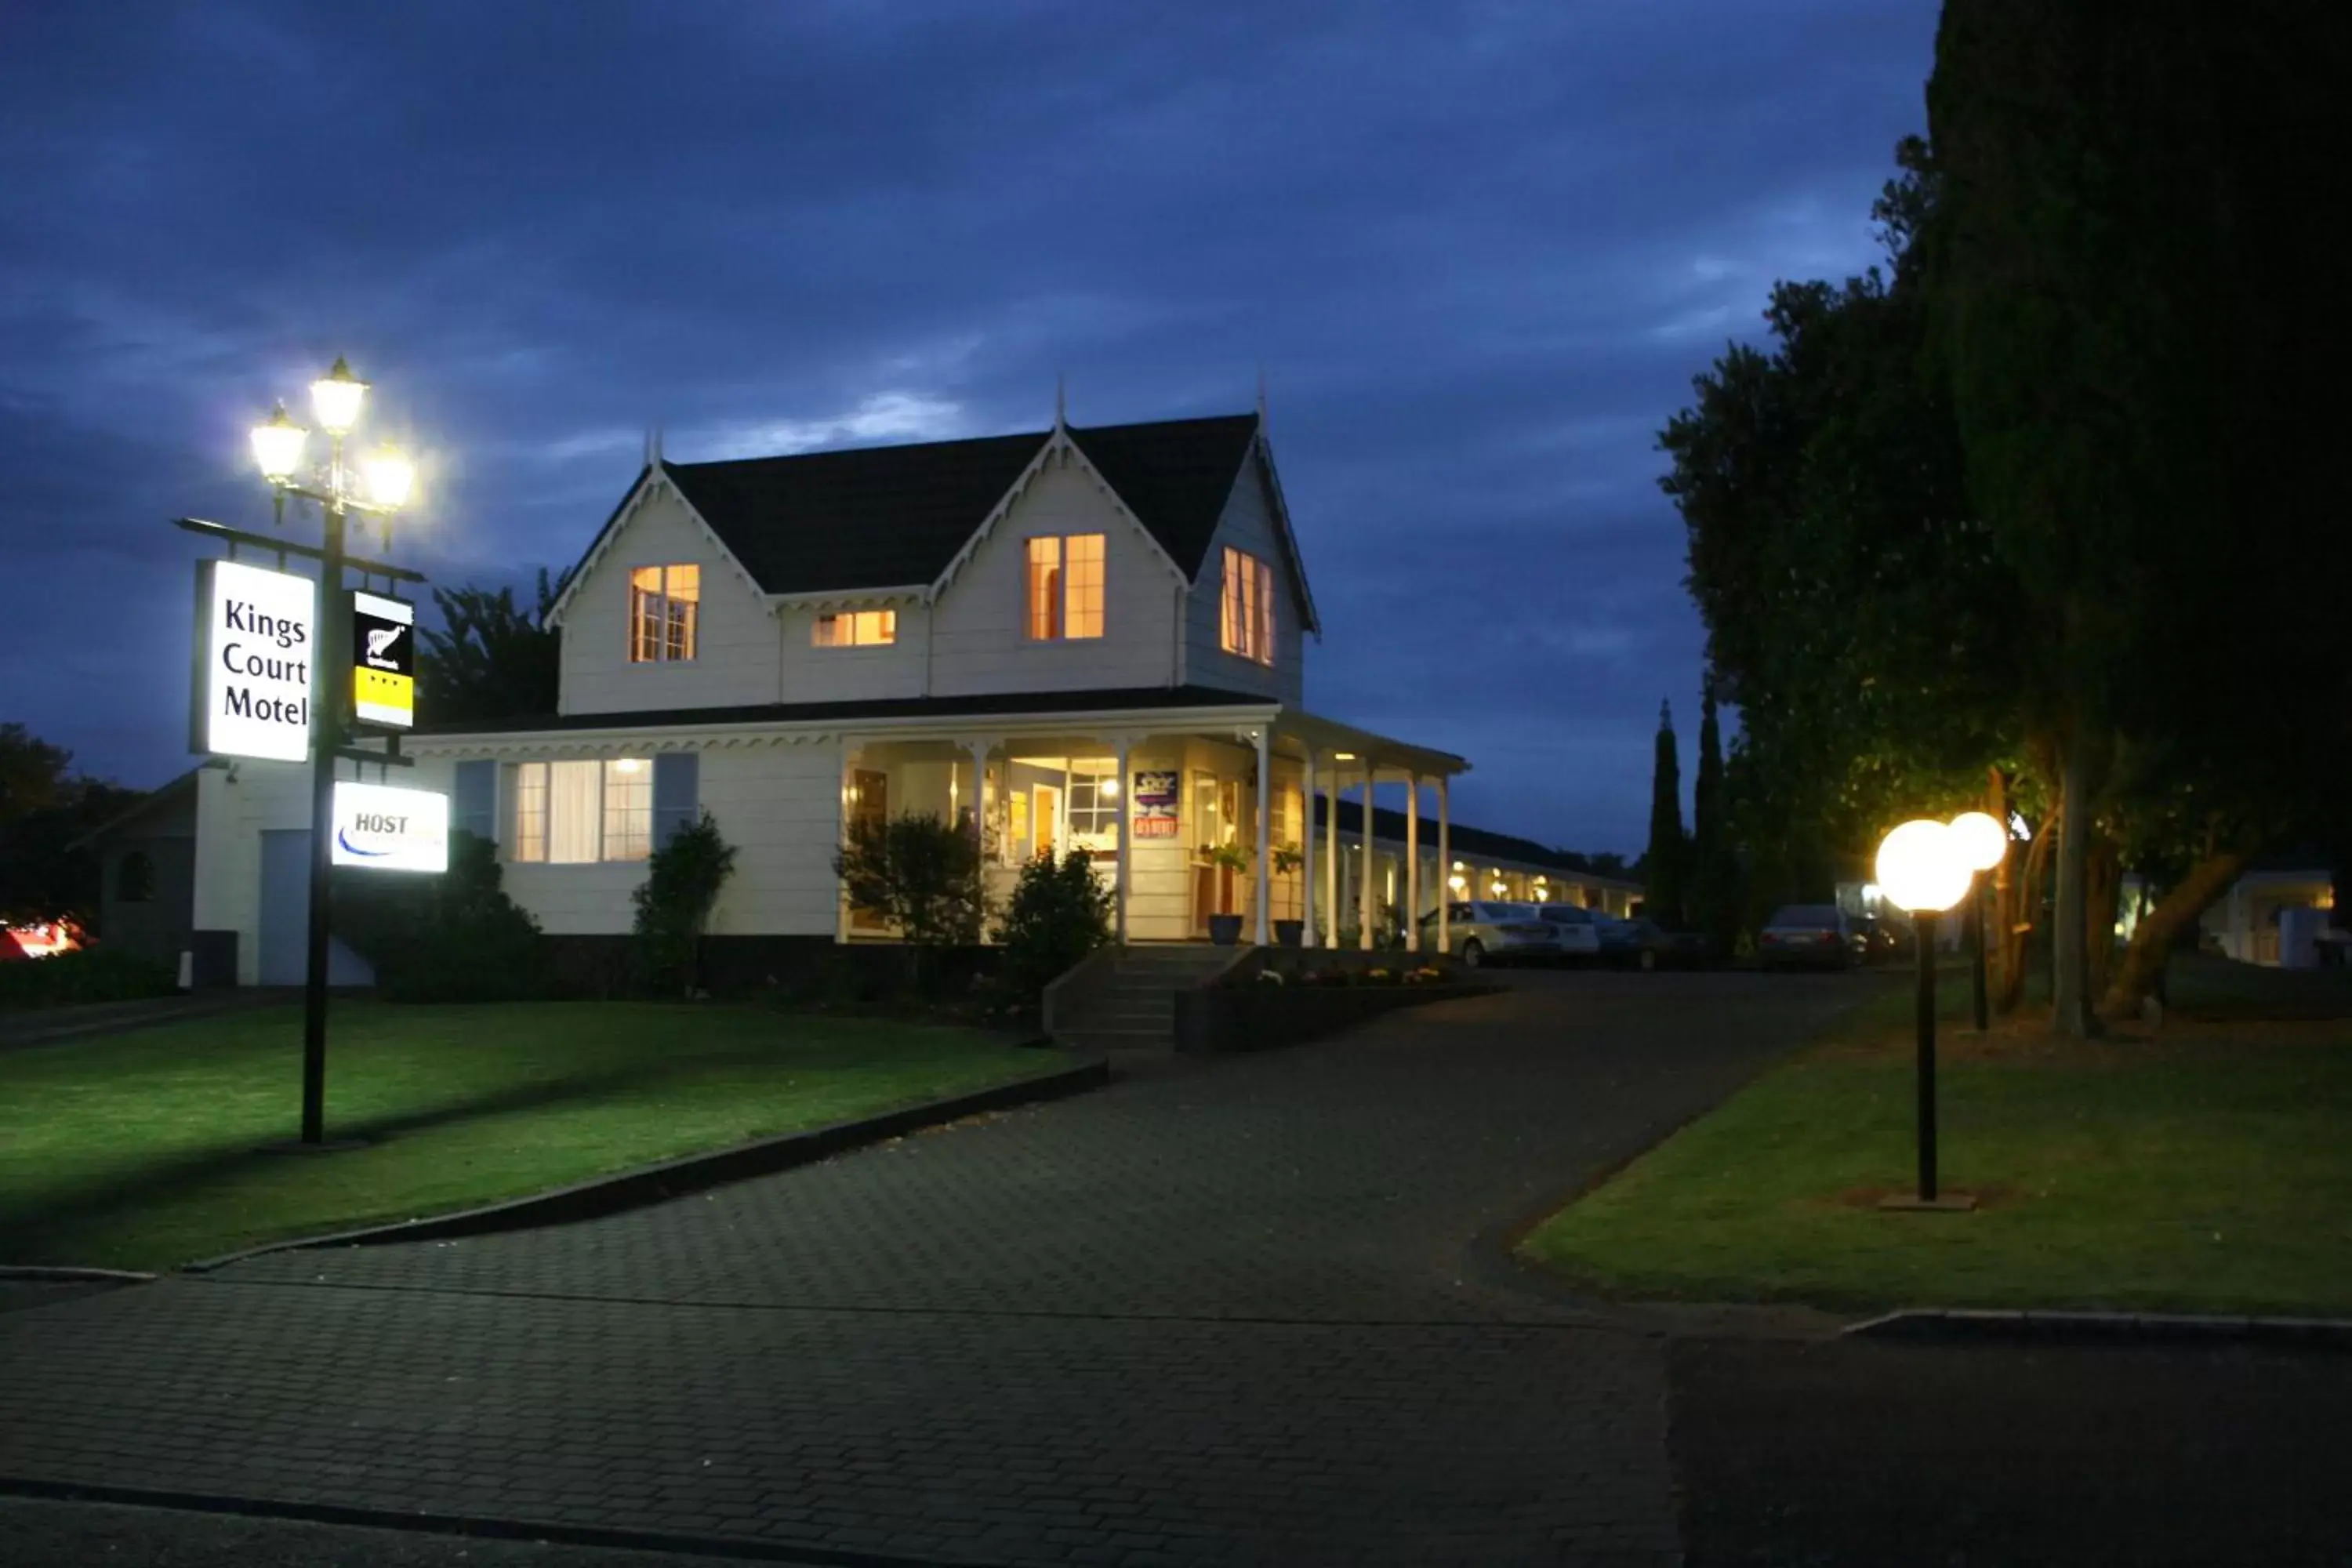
{"points": [[284, 952], [869, 807]]}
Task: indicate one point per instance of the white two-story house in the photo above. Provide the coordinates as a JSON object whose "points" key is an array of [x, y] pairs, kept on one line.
{"points": [[1077, 638]]}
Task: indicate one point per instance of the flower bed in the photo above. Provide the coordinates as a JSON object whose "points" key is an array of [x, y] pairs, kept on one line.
{"points": [[1270, 1007]]}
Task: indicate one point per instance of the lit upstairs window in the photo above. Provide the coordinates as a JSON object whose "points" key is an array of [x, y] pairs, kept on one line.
{"points": [[861, 629], [1065, 587], [664, 605], [1246, 626]]}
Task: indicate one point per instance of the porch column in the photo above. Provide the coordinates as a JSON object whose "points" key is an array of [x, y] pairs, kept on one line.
{"points": [[841, 841], [1118, 895], [1307, 844], [979, 750], [1444, 873], [1412, 864], [1364, 872], [1265, 846], [1331, 856]]}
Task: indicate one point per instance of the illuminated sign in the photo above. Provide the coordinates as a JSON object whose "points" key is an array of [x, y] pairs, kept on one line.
{"points": [[391, 829], [1155, 799], [383, 661], [255, 633]]}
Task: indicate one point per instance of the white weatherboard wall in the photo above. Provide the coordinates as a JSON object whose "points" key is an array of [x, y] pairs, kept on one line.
{"points": [[235, 806], [981, 643], [811, 674], [735, 639], [1249, 525]]}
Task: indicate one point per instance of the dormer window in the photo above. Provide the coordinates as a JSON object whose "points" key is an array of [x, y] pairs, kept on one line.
{"points": [[861, 629], [663, 605], [1066, 587], [1247, 624]]}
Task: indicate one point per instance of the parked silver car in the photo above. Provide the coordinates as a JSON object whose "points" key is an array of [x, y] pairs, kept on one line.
{"points": [[1580, 932], [1480, 931]]}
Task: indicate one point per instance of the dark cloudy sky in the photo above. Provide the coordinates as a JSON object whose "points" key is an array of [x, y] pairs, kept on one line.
{"points": [[1478, 250]]}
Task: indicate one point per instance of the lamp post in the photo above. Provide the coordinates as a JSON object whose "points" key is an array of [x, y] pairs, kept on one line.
{"points": [[1981, 843], [1922, 867], [335, 401]]}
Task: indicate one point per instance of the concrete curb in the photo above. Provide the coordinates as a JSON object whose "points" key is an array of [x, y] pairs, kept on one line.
{"points": [[1962, 1326], [731, 1547], [65, 1274], [694, 1173]]}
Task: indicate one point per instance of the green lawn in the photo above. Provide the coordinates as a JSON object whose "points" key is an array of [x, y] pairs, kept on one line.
{"points": [[140, 1150], [2205, 1169]]}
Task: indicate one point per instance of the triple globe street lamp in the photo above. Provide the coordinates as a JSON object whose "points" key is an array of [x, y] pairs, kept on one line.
{"points": [[377, 486]]}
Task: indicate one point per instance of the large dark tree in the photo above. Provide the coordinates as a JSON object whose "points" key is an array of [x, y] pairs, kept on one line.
{"points": [[1663, 885], [490, 658], [45, 808], [2121, 311], [1713, 899], [1855, 616]]}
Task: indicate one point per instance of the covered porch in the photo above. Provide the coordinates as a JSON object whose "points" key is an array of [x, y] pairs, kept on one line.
{"points": [[1185, 814]]}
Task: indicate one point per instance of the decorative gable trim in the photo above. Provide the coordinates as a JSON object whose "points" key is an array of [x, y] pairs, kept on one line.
{"points": [[652, 483], [1262, 450], [1057, 450]]}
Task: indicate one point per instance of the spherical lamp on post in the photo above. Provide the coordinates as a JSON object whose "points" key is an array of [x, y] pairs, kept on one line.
{"points": [[1983, 845], [1923, 867]]}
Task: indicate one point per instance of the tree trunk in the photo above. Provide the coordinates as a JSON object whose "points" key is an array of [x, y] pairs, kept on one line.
{"points": [[2153, 939], [2021, 909], [2106, 878], [2070, 994]]}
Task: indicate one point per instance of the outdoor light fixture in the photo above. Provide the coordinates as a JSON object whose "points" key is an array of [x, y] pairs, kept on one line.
{"points": [[277, 447], [1983, 845], [1923, 867], [1343, 756], [390, 475], [335, 399]]}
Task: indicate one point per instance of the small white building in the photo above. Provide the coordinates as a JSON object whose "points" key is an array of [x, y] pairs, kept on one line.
{"points": [[1087, 638]]}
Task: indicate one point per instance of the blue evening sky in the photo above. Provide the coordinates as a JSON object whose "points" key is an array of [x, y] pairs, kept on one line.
{"points": [[1477, 249]]}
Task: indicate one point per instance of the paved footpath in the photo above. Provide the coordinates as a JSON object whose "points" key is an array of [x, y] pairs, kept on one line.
{"points": [[1235, 1312]]}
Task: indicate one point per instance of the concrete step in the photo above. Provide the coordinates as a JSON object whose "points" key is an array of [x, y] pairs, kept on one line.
{"points": [[1107, 1018], [1115, 1039]]}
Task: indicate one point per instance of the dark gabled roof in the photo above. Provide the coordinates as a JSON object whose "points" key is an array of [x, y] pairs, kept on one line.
{"points": [[1175, 476], [162, 795], [1107, 700], [887, 517], [1461, 839], [874, 517]]}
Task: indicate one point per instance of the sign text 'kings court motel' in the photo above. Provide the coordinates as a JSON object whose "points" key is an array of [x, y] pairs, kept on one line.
{"points": [[256, 636]]}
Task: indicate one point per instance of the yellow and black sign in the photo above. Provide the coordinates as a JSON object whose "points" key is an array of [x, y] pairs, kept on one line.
{"points": [[383, 661]]}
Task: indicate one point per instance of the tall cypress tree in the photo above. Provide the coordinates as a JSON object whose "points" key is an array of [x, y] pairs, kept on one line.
{"points": [[1662, 867], [1713, 899]]}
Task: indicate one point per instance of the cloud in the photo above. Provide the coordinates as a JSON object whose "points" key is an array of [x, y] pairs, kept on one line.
{"points": [[1478, 249]]}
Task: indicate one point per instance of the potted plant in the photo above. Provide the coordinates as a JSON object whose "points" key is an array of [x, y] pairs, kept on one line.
{"points": [[1226, 930], [1287, 859]]}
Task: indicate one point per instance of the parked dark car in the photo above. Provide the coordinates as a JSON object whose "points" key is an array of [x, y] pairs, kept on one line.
{"points": [[1643, 943], [1808, 936]]}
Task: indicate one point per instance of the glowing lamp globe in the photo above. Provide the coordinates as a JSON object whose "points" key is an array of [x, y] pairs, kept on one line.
{"points": [[390, 475], [1980, 840], [277, 447], [1922, 867], [335, 398]]}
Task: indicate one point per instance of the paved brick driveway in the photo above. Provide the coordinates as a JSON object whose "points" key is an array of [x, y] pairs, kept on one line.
{"points": [[1231, 1312]]}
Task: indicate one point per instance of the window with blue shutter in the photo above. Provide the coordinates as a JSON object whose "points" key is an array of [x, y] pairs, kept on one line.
{"points": [[677, 779], [474, 800]]}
